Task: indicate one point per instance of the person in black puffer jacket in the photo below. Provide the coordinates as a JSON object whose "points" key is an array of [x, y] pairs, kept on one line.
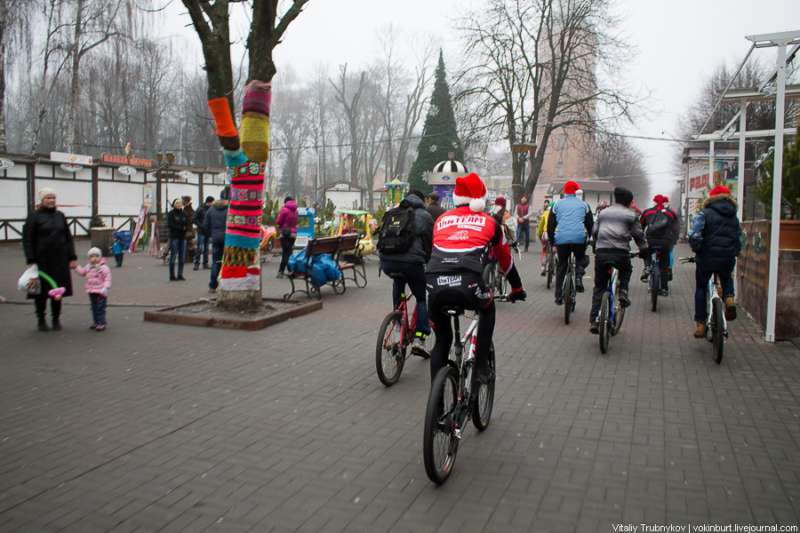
{"points": [[48, 243], [409, 267], [178, 225], [716, 241], [214, 226]]}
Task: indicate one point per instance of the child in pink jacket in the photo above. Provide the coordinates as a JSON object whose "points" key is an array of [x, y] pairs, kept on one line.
{"points": [[98, 282]]}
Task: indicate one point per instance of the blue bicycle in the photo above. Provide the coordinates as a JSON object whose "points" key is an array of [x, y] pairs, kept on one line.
{"points": [[612, 312]]}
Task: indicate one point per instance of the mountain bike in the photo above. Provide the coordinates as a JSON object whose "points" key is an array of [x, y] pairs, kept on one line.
{"points": [[394, 338], [494, 279], [612, 312], [453, 398], [550, 265], [568, 291], [716, 323]]}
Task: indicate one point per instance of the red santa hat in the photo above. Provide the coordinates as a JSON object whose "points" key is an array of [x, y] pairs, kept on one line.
{"points": [[471, 191], [571, 187], [719, 189]]}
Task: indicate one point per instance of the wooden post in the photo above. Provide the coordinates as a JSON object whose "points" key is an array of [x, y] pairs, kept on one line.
{"points": [[202, 198], [30, 170], [95, 191]]}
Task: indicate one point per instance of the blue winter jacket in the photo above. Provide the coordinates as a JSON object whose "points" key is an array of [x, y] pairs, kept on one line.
{"points": [[570, 221]]}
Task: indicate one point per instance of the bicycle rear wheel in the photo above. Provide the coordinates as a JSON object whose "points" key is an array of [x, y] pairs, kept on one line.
{"points": [[439, 444], [390, 353], [484, 397], [604, 322], [619, 316], [717, 329], [655, 286], [568, 295]]}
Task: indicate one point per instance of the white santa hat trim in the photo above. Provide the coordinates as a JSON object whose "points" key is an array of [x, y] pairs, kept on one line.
{"points": [[471, 191]]}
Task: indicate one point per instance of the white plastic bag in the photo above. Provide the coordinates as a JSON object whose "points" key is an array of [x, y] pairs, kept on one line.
{"points": [[29, 280]]}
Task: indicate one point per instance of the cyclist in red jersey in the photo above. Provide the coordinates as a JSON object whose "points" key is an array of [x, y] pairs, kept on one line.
{"points": [[462, 239]]}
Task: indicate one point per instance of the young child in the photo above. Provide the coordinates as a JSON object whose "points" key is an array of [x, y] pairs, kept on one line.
{"points": [[98, 282], [118, 249]]}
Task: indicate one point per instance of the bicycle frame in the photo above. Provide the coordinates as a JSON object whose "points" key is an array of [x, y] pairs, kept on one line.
{"points": [[612, 299], [464, 363]]}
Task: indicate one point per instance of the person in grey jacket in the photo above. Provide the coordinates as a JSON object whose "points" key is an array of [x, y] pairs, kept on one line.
{"points": [[409, 267], [612, 233], [214, 223]]}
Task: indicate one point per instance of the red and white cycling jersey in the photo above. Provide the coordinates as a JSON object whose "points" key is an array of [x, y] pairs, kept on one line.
{"points": [[461, 240]]}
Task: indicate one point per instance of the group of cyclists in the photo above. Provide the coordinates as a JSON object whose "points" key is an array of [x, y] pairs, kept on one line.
{"points": [[440, 254], [444, 255]]}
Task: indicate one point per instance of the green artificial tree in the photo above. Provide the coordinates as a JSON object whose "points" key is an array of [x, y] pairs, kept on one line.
{"points": [[439, 135], [790, 187]]}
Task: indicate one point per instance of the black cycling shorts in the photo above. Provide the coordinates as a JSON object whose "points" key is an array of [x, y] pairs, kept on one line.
{"points": [[461, 290]]}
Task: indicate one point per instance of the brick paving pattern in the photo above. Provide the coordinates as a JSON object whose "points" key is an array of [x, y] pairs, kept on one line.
{"points": [[150, 427]]}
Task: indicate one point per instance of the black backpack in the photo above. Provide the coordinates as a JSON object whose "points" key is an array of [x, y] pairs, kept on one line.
{"points": [[397, 231], [659, 224]]}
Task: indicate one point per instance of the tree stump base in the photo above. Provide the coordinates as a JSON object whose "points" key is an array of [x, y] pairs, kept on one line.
{"points": [[206, 313]]}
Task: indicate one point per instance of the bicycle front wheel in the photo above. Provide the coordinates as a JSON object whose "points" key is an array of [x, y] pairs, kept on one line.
{"points": [[550, 268], [484, 397], [604, 322], [390, 351], [439, 443], [717, 329]]}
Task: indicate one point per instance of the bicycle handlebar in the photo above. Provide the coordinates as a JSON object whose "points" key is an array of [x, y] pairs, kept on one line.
{"points": [[686, 260]]}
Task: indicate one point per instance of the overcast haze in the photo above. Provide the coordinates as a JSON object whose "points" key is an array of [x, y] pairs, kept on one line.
{"points": [[678, 43]]}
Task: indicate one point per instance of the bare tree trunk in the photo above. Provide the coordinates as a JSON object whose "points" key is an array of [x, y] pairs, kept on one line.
{"points": [[211, 22], [3, 37], [74, 93]]}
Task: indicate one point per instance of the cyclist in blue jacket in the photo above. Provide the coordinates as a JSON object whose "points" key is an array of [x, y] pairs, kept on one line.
{"points": [[569, 226]]}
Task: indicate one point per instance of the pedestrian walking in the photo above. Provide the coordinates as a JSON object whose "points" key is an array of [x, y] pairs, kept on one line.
{"points": [[118, 249], [522, 212], [178, 224], [202, 246], [48, 244], [214, 226], [98, 283], [287, 226], [434, 207]]}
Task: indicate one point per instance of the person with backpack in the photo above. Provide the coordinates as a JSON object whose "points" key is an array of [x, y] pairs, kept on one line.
{"points": [[405, 240], [716, 241], [569, 226], [661, 227]]}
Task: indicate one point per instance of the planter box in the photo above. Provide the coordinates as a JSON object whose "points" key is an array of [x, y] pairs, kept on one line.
{"points": [[102, 238], [204, 313]]}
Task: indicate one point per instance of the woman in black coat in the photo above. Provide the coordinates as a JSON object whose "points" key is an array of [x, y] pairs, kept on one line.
{"points": [[48, 244]]}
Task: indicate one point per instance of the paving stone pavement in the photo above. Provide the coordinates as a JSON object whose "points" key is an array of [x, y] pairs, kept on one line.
{"points": [[152, 427]]}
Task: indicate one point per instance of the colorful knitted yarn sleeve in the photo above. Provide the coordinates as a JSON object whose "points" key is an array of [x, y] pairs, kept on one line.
{"points": [[255, 120], [245, 153], [241, 268]]}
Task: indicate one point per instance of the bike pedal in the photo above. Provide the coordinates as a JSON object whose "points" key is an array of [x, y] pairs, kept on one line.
{"points": [[457, 433]]}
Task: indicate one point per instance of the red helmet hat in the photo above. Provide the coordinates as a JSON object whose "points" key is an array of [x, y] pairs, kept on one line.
{"points": [[719, 189], [571, 187], [471, 191], [500, 200]]}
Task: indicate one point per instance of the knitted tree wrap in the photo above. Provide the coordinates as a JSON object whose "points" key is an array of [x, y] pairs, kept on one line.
{"points": [[241, 268], [255, 136]]}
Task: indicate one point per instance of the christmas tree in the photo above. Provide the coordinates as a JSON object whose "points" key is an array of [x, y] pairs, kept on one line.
{"points": [[439, 136]]}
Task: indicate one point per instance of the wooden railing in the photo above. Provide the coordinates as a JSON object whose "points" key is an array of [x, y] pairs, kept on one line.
{"points": [[11, 228]]}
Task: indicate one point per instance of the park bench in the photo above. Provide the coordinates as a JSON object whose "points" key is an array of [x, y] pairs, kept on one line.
{"points": [[345, 252]]}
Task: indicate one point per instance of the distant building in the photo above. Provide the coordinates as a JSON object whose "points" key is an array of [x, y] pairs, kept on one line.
{"points": [[345, 195]]}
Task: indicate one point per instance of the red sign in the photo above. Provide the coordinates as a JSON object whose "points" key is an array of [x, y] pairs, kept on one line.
{"points": [[698, 182], [125, 160]]}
